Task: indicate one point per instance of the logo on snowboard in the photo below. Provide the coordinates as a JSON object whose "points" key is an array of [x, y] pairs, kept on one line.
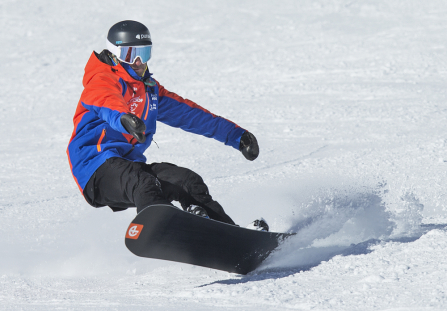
{"points": [[134, 230]]}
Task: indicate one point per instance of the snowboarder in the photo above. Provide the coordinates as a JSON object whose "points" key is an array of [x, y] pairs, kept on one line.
{"points": [[115, 122]]}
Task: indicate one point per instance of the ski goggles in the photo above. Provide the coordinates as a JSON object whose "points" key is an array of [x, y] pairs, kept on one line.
{"points": [[129, 54]]}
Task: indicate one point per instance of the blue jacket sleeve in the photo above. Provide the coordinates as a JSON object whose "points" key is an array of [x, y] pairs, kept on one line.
{"points": [[175, 111]]}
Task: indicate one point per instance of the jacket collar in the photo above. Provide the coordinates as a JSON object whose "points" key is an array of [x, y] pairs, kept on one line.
{"points": [[132, 73]]}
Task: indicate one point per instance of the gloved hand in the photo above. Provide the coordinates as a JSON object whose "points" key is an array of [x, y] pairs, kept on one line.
{"points": [[135, 126], [249, 146]]}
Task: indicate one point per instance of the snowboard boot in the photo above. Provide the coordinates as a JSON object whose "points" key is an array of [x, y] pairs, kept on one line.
{"points": [[197, 210], [259, 224]]}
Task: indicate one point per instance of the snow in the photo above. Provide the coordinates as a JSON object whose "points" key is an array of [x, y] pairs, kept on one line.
{"points": [[347, 100]]}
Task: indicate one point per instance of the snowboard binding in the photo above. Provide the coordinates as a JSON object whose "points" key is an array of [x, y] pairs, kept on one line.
{"points": [[197, 210], [259, 225]]}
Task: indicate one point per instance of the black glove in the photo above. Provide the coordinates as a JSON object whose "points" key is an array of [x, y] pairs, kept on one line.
{"points": [[249, 146], [135, 126]]}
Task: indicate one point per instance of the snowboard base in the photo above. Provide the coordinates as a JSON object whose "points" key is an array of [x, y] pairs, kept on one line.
{"points": [[165, 232]]}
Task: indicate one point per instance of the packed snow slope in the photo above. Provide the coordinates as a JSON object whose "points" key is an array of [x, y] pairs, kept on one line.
{"points": [[347, 100]]}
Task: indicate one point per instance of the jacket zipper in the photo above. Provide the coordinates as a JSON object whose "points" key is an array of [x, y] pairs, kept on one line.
{"points": [[147, 106], [98, 146]]}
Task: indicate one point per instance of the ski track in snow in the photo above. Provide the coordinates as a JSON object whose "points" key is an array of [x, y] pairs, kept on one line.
{"points": [[347, 100]]}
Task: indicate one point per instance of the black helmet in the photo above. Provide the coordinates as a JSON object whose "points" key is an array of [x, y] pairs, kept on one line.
{"points": [[129, 33]]}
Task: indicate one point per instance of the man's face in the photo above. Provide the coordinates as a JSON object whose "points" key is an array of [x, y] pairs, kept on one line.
{"points": [[139, 67]]}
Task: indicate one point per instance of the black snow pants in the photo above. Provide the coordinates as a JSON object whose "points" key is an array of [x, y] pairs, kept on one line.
{"points": [[119, 184]]}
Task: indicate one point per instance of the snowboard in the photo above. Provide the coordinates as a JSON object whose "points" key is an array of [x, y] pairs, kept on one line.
{"points": [[165, 232]]}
